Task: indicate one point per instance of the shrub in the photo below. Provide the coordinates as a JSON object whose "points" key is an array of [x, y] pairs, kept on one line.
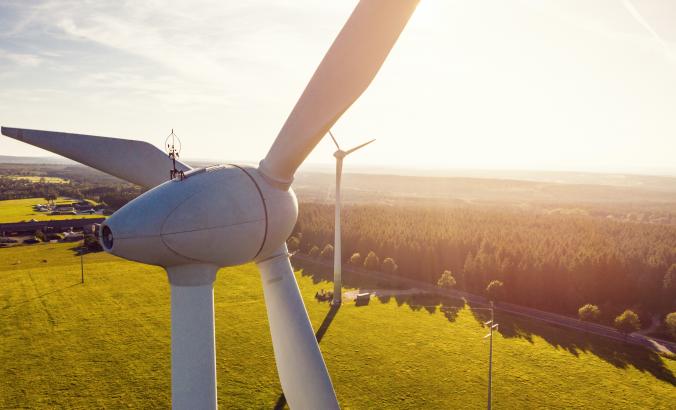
{"points": [[389, 265], [627, 322], [589, 313], [327, 252], [446, 280], [92, 243], [293, 244], [494, 290], [314, 251], [355, 259], [372, 262], [670, 322]]}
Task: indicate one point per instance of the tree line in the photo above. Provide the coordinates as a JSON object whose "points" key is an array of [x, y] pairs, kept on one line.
{"points": [[553, 262]]}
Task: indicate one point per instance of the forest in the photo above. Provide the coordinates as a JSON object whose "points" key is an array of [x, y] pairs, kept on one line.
{"points": [[554, 262]]}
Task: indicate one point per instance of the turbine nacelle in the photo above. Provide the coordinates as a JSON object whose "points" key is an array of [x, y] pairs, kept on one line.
{"points": [[223, 215], [340, 154]]}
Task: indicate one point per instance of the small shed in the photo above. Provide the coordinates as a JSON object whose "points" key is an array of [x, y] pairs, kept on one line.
{"points": [[362, 299]]}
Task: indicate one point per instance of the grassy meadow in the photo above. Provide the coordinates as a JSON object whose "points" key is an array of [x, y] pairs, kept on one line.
{"points": [[106, 344], [16, 210]]}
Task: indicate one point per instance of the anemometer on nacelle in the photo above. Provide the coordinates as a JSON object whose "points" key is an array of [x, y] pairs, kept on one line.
{"points": [[173, 145]]}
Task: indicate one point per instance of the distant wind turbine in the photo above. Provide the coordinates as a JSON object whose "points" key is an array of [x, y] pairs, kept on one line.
{"points": [[337, 274]]}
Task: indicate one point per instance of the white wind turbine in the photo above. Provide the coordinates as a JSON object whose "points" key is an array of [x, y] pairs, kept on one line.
{"points": [[337, 268], [231, 214]]}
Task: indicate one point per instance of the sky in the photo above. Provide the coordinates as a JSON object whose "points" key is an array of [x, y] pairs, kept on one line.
{"points": [[521, 84]]}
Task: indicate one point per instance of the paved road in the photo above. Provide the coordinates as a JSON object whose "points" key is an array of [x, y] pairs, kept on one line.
{"points": [[657, 345]]}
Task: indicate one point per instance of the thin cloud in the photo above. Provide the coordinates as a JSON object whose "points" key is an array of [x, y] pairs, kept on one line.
{"points": [[668, 50]]}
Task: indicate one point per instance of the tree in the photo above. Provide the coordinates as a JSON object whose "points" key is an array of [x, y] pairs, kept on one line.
{"points": [[494, 290], [627, 322], [327, 252], [314, 251], [670, 322], [39, 235], [355, 259], [589, 313], [293, 244], [50, 197], [372, 262], [92, 243], [389, 266], [446, 280]]}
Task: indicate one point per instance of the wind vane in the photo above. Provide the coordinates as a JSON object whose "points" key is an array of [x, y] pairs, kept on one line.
{"points": [[173, 149]]}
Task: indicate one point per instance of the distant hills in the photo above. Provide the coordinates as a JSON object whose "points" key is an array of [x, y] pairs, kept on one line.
{"points": [[8, 159], [365, 184]]}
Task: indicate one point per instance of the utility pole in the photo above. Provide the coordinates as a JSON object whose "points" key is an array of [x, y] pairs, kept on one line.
{"points": [[82, 248], [491, 326]]}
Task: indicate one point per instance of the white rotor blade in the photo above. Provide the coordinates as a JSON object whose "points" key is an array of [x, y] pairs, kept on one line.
{"points": [[302, 372], [345, 72], [334, 140], [358, 147], [135, 161]]}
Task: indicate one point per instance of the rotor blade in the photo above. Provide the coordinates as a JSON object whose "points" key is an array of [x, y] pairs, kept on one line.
{"points": [[135, 161], [302, 372], [334, 140], [345, 72], [358, 146]]}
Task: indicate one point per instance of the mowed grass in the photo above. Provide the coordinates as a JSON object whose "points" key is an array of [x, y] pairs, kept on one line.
{"points": [[106, 344], [35, 178], [17, 210]]}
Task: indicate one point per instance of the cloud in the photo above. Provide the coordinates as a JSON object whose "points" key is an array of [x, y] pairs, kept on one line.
{"points": [[202, 39], [23, 60]]}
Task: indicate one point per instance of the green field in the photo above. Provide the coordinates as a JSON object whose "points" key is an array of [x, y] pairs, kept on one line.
{"points": [[17, 210], [106, 344], [45, 179]]}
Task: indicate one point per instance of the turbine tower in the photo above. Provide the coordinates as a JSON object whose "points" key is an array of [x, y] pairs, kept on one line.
{"points": [[231, 214], [337, 268]]}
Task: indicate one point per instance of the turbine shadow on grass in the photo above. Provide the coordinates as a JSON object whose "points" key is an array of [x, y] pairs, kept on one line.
{"points": [[321, 331], [617, 353], [333, 311]]}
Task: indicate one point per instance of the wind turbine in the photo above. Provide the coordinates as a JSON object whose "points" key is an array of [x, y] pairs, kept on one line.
{"points": [[337, 268], [230, 214]]}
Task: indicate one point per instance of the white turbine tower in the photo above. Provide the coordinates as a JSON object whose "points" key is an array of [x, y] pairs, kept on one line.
{"points": [[231, 214], [337, 268]]}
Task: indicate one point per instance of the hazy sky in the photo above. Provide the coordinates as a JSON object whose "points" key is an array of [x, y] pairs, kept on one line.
{"points": [[544, 84]]}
